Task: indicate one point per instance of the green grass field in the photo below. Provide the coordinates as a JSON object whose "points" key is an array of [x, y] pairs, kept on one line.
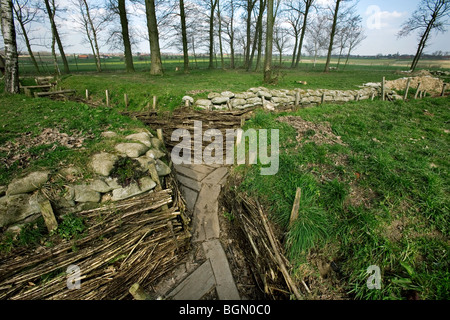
{"points": [[379, 199]]}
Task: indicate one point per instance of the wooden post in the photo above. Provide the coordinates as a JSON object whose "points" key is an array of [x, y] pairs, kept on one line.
{"points": [[443, 89], [295, 207], [382, 89], [107, 97], [49, 217], [297, 100], [138, 293], [154, 102], [87, 94], [159, 133], [125, 97], [418, 90], [405, 97], [263, 101], [323, 98]]}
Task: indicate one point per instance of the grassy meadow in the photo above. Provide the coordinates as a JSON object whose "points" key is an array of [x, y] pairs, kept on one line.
{"points": [[380, 198]]}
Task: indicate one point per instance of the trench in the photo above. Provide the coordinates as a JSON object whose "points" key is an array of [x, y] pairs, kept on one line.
{"points": [[231, 257]]}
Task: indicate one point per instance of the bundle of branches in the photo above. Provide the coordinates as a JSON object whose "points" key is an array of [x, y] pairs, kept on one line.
{"points": [[132, 241], [263, 250]]}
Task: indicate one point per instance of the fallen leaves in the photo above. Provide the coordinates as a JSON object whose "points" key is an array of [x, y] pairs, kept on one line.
{"points": [[18, 150]]}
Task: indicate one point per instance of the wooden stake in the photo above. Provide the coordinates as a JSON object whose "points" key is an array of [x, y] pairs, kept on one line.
{"points": [[87, 94], [407, 89], [138, 293], [418, 90], [125, 97], [107, 97], [382, 89], [154, 102], [295, 207], [443, 89], [323, 98], [159, 133], [49, 217], [297, 100]]}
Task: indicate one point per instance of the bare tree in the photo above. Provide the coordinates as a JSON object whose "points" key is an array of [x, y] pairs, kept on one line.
{"points": [[25, 12], [281, 41], [230, 30], [269, 42], [431, 15], [91, 22], [9, 39], [355, 37], [293, 12], [249, 5], [318, 36], [51, 8], [332, 34], [184, 36]]}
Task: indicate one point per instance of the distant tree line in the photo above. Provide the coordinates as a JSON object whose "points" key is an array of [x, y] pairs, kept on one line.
{"points": [[253, 29]]}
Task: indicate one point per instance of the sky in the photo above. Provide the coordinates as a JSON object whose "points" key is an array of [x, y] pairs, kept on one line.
{"points": [[382, 19]]}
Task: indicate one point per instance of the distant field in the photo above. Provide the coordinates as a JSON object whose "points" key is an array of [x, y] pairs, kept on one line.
{"points": [[170, 64]]}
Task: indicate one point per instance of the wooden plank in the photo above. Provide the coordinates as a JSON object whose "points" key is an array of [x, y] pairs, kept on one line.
{"points": [[52, 93], [196, 285], [189, 183], [206, 218], [216, 176], [188, 172], [225, 286]]}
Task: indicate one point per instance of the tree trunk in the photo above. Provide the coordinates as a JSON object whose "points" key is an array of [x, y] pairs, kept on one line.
{"points": [[232, 65], [156, 68], [222, 62], [294, 52], [269, 43], [422, 44], [333, 31], [27, 40], [211, 33], [184, 36], [94, 35], [126, 36], [302, 36], [348, 56], [11, 56], [51, 15]]}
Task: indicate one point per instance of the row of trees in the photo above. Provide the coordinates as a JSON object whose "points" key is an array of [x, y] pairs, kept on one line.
{"points": [[251, 27]]}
